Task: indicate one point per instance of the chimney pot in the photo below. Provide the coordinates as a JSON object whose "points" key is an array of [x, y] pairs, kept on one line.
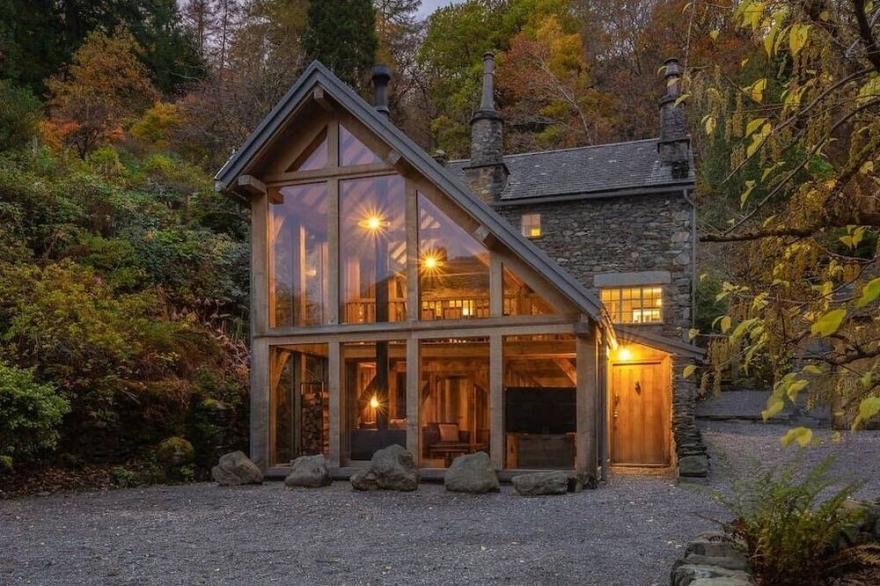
{"points": [[381, 77]]}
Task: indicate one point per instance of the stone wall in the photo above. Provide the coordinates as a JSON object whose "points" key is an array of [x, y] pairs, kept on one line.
{"points": [[622, 234]]}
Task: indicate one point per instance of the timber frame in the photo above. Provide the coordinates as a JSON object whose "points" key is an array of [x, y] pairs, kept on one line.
{"points": [[261, 168]]}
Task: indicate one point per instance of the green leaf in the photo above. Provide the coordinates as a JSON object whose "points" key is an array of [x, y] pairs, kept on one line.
{"points": [[801, 435], [870, 292], [688, 371], [828, 323], [797, 37], [754, 125]]}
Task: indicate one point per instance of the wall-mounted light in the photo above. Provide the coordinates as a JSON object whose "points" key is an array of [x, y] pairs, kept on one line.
{"points": [[624, 353], [374, 402]]}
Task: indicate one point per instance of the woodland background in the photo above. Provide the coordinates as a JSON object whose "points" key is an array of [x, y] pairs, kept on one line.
{"points": [[123, 276]]}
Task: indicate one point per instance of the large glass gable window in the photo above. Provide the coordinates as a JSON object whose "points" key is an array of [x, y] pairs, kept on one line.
{"points": [[372, 233], [298, 294], [453, 268]]}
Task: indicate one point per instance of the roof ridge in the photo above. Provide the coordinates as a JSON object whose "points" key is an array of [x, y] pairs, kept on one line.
{"points": [[577, 148]]}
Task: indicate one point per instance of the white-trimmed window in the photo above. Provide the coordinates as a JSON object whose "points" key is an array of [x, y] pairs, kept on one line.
{"points": [[634, 305], [530, 224]]}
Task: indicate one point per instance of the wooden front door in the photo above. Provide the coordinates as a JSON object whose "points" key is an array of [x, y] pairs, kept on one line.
{"points": [[640, 414]]}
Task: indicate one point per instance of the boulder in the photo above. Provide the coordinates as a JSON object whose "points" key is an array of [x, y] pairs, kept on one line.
{"points": [[685, 574], [391, 468], [472, 473], [714, 544], [541, 483], [235, 469], [309, 472], [722, 581]]}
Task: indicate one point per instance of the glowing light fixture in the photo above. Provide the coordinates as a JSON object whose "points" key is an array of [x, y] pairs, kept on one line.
{"points": [[373, 223], [430, 262], [374, 402], [624, 353]]}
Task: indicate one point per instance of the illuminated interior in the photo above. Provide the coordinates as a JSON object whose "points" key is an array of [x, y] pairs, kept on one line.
{"points": [[530, 225], [374, 383], [520, 298], [299, 402], [453, 399], [634, 305]]}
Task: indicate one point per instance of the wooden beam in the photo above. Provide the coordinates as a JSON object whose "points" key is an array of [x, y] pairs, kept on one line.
{"points": [[567, 368], [335, 404], [602, 411], [320, 98], [586, 432], [333, 252], [261, 304], [251, 185], [412, 252], [260, 398], [355, 171], [496, 286], [412, 399], [496, 400]]}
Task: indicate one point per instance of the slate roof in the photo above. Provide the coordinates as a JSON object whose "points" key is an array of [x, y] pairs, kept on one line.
{"points": [[591, 171]]}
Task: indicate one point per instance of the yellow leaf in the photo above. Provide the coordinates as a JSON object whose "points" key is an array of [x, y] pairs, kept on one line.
{"points": [[693, 333], [756, 90], [714, 34], [681, 99], [867, 167], [802, 435], [774, 406], [754, 125], [828, 323], [710, 125], [797, 37], [796, 387], [688, 371], [744, 197], [726, 322], [870, 292], [868, 408]]}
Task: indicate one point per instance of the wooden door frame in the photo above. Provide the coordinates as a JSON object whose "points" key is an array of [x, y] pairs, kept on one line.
{"points": [[665, 363]]}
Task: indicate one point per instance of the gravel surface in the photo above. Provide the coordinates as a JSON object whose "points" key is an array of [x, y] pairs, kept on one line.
{"points": [[627, 533]]}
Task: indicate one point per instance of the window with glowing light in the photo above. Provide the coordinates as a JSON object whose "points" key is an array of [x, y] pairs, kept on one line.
{"points": [[453, 268], [634, 305], [520, 298], [372, 247], [530, 224], [374, 380], [298, 294]]}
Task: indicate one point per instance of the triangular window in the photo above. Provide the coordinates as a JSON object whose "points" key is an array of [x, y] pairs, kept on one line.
{"points": [[520, 299], [453, 268], [315, 156], [353, 152]]}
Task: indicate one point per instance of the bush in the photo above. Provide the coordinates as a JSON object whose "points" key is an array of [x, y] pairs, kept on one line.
{"points": [[790, 525], [30, 414], [20, 113]]}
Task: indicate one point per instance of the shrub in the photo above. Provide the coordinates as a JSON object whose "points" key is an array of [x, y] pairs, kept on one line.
{"points": [[790, 524], [122, 477], [175, 451], [20, 113], [30, 414]]}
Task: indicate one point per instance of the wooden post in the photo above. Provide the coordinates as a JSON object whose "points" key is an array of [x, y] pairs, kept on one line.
{"points": [[260, 404], [602, 410], [413, 311], [496, 400], [335, 404], [586, 432], [333, 251], [413, 441], [259, 265], [496, 286]]}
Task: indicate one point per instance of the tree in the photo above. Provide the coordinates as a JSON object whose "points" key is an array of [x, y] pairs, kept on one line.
{"points": [[804, 296], [342, 35], [105, 85]]}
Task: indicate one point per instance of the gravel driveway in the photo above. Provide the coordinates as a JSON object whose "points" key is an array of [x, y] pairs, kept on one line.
{"points": [[627, 533]]}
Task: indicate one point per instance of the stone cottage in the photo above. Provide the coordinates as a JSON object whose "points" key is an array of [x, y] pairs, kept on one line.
{"points": [[533, 306]]}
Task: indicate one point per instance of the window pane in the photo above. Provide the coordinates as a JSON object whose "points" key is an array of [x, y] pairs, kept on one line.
{"points": [[520, 299], [300, 402], [453, 399], [375, 391], [315, 156], [540, 380], [298, 249], [453, 268], [530, 225], [354, 152], [634, 304], [372, 240]]}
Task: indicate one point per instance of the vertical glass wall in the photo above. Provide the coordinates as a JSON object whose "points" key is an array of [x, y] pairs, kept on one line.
{"points": [[298, 294], [520, 299], [453, 399], [372, 234], [353, 152], [540, 380], [374, 383], [453, 268], [299, 402]]}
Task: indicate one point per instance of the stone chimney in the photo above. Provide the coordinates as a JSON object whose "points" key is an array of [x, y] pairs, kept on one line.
{"points": [[486, 172], [675, 142], [381, 77]]}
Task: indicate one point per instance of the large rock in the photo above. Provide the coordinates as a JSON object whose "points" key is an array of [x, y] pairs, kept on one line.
{"points": [[684, 574], [472, 473], [392, 468], [309, 472], [541, 483], [235, 469]]}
